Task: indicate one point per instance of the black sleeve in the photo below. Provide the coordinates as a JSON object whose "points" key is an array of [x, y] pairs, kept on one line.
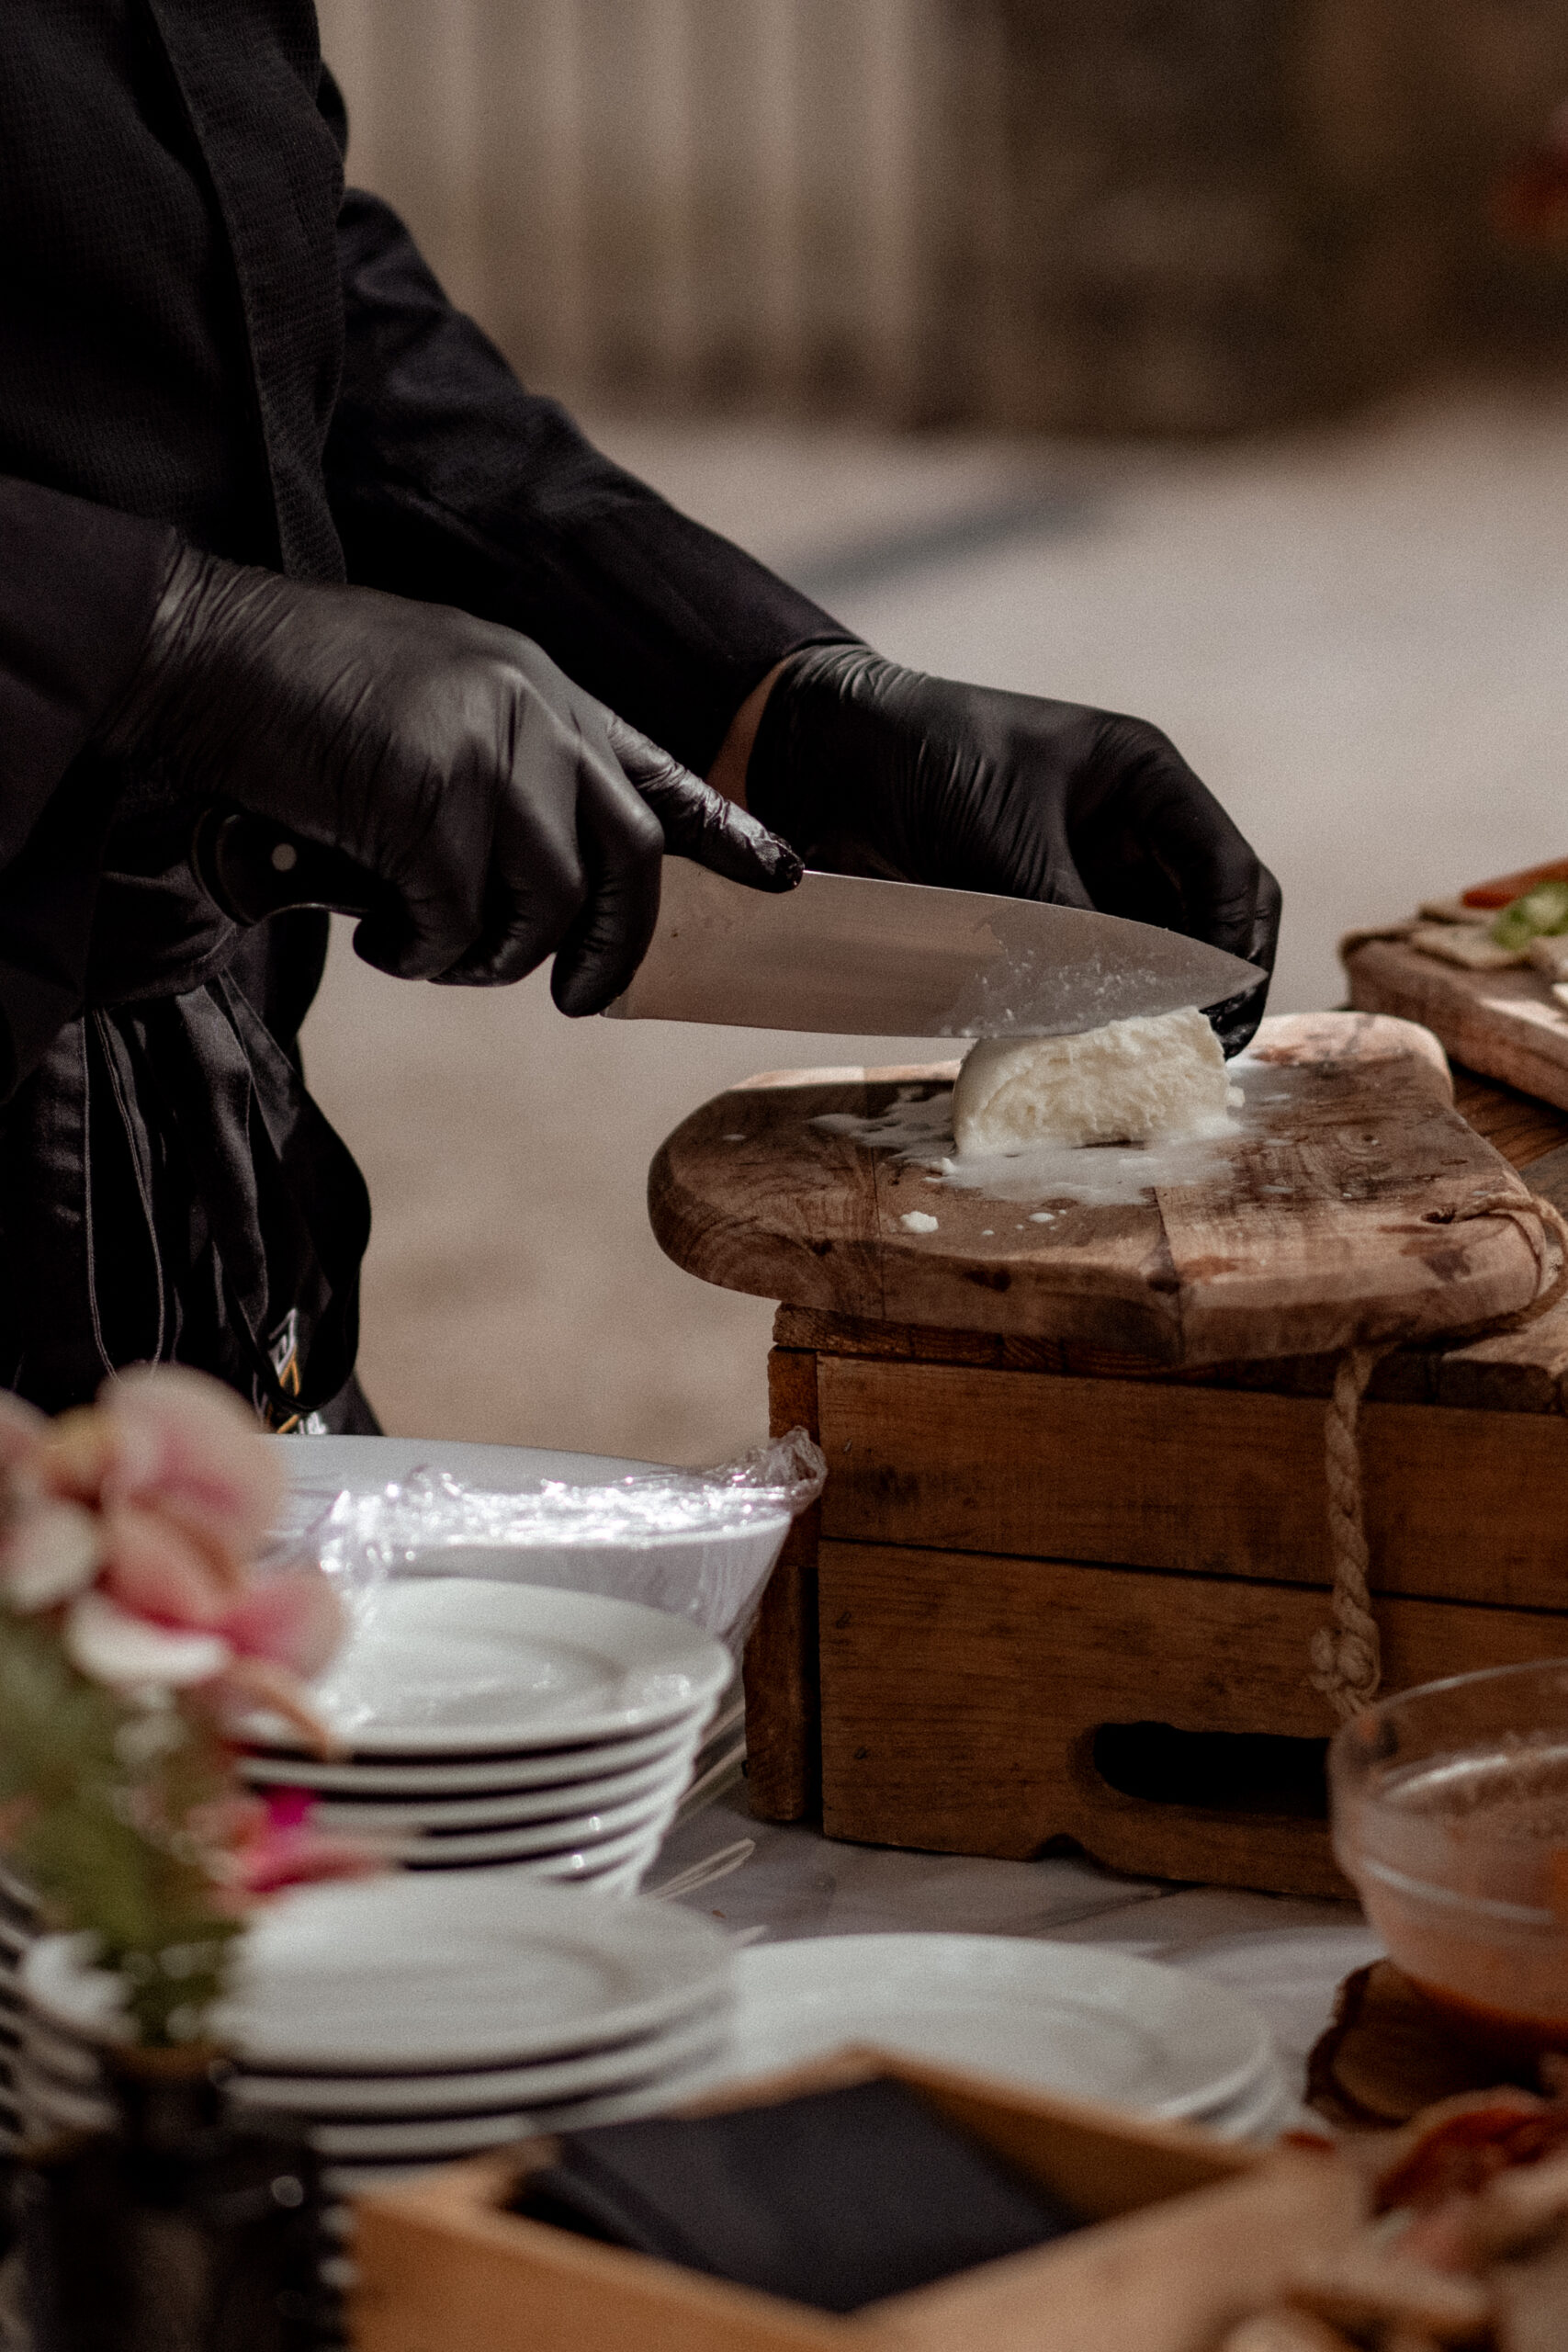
{"points": [[78, 586], [449, 482]]}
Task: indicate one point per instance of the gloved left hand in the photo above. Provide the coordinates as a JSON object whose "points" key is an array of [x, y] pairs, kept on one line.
{"points": [[867, 768]]}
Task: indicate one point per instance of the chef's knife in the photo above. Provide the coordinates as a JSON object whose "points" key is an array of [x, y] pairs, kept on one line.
{"points": [[842, 955], [847, 955]]}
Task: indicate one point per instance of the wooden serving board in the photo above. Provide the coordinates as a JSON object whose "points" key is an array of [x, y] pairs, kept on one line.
{"points": [[1329, 1218], [1507, 1024]]}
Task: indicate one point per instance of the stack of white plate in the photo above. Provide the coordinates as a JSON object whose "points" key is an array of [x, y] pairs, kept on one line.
{"points": [[411, 2020], [18, 1925], [487, 1724], [1074, 2018]]}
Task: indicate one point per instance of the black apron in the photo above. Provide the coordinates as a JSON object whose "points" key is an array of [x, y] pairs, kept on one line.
{"points": [[197, 329], [168, 199], [168, 1190]]}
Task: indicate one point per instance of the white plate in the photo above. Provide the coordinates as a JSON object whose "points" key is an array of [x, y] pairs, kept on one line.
{"points": [[455, 1666], [593, 1834], [628, 1877], [618, 2106], [584, 1865], [402, 2139], [555, 1769], [437, 2138], [419, 1974], [1261, 2114], [1069, 2018], [610, 1792], [360, 2096]]}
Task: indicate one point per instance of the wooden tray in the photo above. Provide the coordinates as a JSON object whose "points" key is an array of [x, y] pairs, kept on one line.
{"points": [[1188, 2234], [1507, 1024], [1329, 1218]]}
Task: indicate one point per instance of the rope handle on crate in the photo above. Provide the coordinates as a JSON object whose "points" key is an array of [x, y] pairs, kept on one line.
{"points": [[1347, 1652]]}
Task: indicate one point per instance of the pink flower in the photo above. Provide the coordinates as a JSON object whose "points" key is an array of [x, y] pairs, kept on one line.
{"points": [[135, 1516], [171, 1441], [279, 1848], [188, 1448], [49, 1551], [293, 1618], [151, 1622]]}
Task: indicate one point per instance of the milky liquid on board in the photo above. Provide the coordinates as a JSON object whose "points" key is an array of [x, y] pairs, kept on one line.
{"points": [[918, 1128]]}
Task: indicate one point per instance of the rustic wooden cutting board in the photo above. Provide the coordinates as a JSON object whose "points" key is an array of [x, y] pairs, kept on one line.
{"points": [[1507, 1024], [1333, 1216]]}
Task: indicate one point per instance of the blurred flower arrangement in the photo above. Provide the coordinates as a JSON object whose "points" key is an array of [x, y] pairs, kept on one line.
{"points": [[133, 1628]]}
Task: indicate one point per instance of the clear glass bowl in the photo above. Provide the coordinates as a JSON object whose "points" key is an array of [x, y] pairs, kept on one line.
{"points": [[1450, 1817]]}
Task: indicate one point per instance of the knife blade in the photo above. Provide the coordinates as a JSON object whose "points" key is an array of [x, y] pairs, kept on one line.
{"points": [[847, 955]]}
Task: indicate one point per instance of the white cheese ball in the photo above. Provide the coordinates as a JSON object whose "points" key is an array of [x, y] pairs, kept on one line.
{"points": [[1162, 1074]]}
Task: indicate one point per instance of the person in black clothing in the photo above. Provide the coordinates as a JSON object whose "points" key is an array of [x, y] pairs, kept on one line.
{"points": [[280, 530]]}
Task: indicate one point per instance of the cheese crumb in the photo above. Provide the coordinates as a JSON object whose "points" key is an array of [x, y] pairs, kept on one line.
{"points": [[916, 1221]]}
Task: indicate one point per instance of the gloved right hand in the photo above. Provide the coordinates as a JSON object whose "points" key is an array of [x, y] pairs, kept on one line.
{"points": [[510, 813]]}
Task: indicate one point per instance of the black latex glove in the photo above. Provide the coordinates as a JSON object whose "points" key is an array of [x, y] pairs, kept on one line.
{"points": [[867, 768], [510, 813]]}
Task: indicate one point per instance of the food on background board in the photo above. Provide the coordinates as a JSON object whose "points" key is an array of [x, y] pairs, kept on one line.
{"points": [[1501, 892], [1538, 913], [1515, 922]]}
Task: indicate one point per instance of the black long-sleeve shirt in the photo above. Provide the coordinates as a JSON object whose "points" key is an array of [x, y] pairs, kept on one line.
{"points": [[200, 334]]}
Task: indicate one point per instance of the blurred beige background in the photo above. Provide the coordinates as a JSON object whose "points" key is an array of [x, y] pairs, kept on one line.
{"points": [[1351, 612]]}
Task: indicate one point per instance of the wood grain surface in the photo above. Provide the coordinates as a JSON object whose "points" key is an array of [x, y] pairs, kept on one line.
{"points": [[961, 1694], [782, 1740], [1329, 1217], [1460, 1505], [1513, 1371], [1506, 1024]]}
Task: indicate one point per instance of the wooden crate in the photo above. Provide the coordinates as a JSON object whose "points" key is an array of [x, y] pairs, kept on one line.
{"points": [[1189, 2233], [1024, 1542]]}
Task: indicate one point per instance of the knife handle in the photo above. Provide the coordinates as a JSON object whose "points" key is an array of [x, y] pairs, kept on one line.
{"points": [[252, 867]]}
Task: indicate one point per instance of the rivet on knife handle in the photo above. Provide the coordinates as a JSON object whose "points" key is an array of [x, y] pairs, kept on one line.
{"points": [[252, 867]]}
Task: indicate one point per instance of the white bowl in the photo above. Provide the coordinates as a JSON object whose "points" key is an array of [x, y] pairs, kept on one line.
{"points": [[726, 1568]]}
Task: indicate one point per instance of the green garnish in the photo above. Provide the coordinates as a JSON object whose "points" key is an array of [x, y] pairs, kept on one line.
{"points": [[1541, 913]]}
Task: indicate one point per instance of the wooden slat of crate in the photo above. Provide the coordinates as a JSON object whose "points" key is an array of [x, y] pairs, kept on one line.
{"points": [[1515, 1372], [960, 1693], [1466, 1506], [784, 1770]]}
